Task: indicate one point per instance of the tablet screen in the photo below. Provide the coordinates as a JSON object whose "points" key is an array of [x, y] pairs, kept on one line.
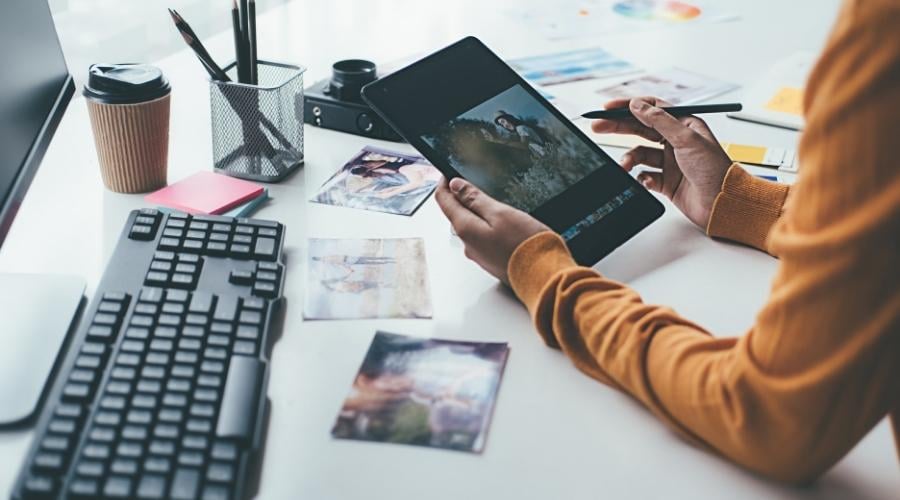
{"points": [[515, 150], [471, 115]]}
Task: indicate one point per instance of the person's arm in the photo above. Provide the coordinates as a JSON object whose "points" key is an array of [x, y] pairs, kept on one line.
{"points": [[818, 369], [747, 208]]}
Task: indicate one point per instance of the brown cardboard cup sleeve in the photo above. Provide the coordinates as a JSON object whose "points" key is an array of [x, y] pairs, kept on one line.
{"points": [[132, 143]]}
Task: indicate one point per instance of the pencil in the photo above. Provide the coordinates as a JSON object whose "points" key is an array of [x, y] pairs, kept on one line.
{"points": [[620, 113], [251, 36], [236, 25], [190, 38], [245, 44]]}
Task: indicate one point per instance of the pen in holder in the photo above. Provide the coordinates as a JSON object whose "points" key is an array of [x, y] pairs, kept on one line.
{"points": [[257, 130]]}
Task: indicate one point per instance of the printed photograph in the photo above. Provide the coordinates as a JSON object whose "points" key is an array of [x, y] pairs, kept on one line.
{"points": [[424, 392], [367, 278], [515, 150], [382, 181], [572, 66], [674, 85]]}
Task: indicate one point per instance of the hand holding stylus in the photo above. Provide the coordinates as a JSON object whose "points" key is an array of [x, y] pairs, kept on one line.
{"points": [[691, 163]]}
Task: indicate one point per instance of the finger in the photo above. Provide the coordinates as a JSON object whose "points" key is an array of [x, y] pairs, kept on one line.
{"points": [[699, 126], [461, 218], [642, 155], [624, 102], [651, 180], [474, 199], [629, 126], [676, 133]]}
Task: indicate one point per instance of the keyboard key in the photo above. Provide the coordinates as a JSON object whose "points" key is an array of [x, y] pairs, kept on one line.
{"points": [[152, 486], [178, 385], [157, 278], [124, 466], [153, 372], [178, 295], [55, 443], [202, 410], [216, 492], [243, 229], [220, 472], [76, 392], [157, 358], [217, 247], [206, 380], [112, 403], [175, 400], [254, 303], [90, 468], [161, 255], [248, 332], [259, 223], [39, 486], [138, 333], [84, 488], [163, 447], [110, 418], [157, 464], [267, 266], [265, 289], [264, 248], [141, 232], [169, 243], [100, 332], [83, 376], [243, 239], [226, 308], [197, 319], [96, 451], [224, 450], [185, 484], [109, 306], [206, 395], [198, 225], [161, 266], [123, 373], [191, 458], [239, 250], [240, 398], [130, 449], [118, 387], [186, 357], [192, 245], [48, 461], [172, 415], [139, 417], [183, 280], [167, 332], [239, 277], [201, 425], [134, 432], [105, 319], [201, 302], [195, 442], [173, 308], [149, 386], [61, 426], [245, 347], [117, 487], [143, 401], [152, 295], [266, 276], [102, 434], [69, 411]]}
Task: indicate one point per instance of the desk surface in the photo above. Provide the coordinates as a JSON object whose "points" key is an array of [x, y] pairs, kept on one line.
{"points": [[555, 433]]}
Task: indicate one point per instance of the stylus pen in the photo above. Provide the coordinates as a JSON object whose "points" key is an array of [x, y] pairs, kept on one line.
{"points": [[619, 113]]}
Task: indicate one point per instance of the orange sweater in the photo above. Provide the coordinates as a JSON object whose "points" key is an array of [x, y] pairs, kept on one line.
{"points": [[821, 365]]}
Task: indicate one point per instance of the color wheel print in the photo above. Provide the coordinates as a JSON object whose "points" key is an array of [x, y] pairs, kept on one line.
{"points": [[657, 10]]}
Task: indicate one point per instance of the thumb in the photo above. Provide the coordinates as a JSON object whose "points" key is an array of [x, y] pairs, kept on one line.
{"points": [[473, 198], [672, 130]]}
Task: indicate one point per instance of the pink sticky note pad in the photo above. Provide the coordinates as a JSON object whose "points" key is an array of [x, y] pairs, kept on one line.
{"points": [[205, 193]]}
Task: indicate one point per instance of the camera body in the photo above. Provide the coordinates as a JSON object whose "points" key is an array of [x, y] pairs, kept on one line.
{"points": [[336, 103]]}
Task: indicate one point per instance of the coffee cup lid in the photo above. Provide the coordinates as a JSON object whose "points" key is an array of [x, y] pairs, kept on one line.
{"points": [[125, 83]]}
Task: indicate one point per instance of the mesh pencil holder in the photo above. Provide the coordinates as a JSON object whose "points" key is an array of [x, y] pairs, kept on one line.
{"points": [[257, 130]]}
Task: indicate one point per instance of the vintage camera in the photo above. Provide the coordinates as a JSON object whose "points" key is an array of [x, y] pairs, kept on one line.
{"points": [[336, 103]]}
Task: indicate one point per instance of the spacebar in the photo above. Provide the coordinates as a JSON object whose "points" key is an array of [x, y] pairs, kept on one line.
{"points": [[237, 417]]}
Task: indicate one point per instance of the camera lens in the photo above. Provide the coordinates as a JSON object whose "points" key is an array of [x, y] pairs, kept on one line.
{"points": [[349, 76]]}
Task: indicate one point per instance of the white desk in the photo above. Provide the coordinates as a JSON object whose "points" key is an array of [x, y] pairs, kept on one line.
{"points": [[555, 433]]}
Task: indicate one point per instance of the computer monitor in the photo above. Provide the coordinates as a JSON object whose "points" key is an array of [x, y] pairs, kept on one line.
{"points": [[37, 309], [35, 89]]}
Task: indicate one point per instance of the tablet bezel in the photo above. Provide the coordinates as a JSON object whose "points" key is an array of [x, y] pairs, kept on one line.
{"points": [[442, 74]]}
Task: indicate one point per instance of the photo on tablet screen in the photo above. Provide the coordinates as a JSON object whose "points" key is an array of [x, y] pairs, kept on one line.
{"points": [[515, 149]]}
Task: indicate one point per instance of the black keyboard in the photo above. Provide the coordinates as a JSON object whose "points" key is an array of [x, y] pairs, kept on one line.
{"points": [[162, 393]]}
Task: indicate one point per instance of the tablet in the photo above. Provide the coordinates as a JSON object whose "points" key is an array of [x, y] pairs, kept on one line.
{"points": [[472, 116]]}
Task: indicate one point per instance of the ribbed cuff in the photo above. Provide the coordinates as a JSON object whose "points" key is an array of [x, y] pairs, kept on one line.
{"points": [[534, 262], [746, 208]]}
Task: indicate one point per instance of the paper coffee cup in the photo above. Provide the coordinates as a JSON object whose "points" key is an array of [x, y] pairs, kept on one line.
{"points": [[129, 110]]}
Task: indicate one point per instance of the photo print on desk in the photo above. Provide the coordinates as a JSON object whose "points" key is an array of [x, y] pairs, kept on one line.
{"points": [[382, 181], [367, 278], [424, 392], [674, 85]]}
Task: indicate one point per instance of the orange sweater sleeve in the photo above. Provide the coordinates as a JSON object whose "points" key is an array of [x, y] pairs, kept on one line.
{"points": [[821, 365]]}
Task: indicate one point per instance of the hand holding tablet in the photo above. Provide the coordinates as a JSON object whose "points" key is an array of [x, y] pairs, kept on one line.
{"points": [[472, 116]]}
